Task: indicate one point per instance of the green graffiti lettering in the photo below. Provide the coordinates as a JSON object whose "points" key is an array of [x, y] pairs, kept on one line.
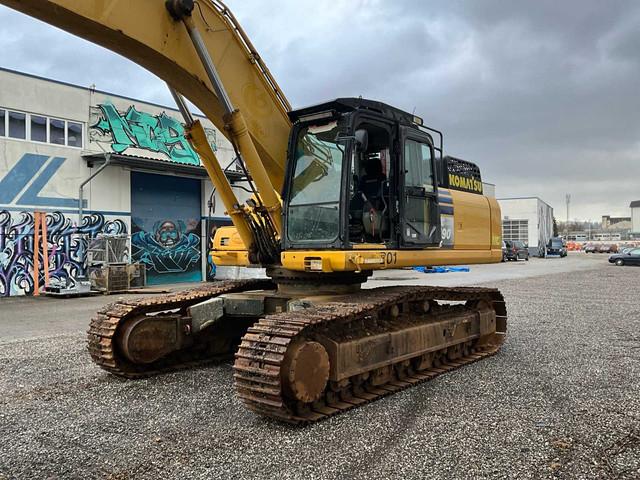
{"points": [[159, 133]]}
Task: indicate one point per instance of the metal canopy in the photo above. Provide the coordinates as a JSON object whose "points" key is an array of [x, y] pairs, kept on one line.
{"points": [[158, 166]]}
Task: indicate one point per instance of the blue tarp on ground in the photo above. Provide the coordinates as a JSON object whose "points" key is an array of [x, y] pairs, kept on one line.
{"points": [[441, 269]]}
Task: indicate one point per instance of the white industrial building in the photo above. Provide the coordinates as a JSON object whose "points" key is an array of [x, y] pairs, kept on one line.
{"points": [[635, 216], [489, 189], [528, 219], [54, 136]]}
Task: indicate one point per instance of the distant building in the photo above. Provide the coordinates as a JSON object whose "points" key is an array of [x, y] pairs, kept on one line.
{"points": [[489, 189], [635, 216], [611, 228], [529, 220], [616, 223]]}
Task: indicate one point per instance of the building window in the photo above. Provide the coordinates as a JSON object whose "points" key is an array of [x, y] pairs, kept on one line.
{"points": [[56, 131], [38, 128], [74, 134], [17, 125], [515, 230]]}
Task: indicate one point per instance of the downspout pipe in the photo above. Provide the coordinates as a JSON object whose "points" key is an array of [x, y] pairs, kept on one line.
{"points": [[107, 160]]}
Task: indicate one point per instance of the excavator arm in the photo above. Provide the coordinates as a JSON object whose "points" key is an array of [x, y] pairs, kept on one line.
{"points": [[200, 50]]}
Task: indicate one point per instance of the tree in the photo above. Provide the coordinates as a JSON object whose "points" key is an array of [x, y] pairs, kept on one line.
{"points": [[555, 227]]}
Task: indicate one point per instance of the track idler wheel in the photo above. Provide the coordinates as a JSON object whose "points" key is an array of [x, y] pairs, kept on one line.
{"points": [[147, 339], [305, 371]]}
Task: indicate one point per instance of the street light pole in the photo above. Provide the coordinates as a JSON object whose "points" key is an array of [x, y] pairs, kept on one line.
{"points": [[566, 225]]}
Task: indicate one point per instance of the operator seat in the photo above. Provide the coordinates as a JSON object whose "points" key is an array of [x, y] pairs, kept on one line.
{"points": [[372, 181], [371, 187]]}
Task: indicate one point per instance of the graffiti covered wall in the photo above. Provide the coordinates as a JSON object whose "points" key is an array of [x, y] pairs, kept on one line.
{"points": [[44, 173], [132, 129], [166, 227], [170, 251], [66, 246]]}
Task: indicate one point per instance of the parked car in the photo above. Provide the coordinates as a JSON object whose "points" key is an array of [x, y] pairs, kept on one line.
{"points": [[632, 257], [557, 246], [516, 250], [607, 248], [590, 248]]}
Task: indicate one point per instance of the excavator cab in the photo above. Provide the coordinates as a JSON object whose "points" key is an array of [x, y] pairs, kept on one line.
{"points": [[360, 173]]}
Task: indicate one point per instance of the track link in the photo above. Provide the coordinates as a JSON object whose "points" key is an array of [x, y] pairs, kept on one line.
{"points": [[104, 327], [259, 360]]}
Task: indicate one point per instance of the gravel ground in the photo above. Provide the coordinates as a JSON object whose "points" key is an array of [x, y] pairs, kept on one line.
{"points": [[561, 400]]}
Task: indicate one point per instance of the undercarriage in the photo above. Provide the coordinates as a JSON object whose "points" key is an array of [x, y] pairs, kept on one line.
{"points": [[302, 355]]}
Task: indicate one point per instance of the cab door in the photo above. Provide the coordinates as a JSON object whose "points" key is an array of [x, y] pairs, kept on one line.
{"points": [[419, 210]]}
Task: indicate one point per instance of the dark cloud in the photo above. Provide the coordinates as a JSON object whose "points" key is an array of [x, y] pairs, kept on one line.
{"points": [[34, 47], [543, 95]]}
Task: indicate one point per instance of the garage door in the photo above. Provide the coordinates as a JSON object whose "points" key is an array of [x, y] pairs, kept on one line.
{"points": [[165, 227]]}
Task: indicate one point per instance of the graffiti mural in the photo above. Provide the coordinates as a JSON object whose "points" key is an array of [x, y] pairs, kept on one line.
{"points": [[133, 129], [169, 248], [66, 244], [166, 227]]}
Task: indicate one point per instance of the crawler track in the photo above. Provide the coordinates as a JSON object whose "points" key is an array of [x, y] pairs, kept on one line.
{"points": [[259, 360], [104, 326]]}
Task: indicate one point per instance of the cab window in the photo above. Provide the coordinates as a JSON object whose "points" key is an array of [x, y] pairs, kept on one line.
{"points": [[421, 221], [419, 172], [315, 191]]}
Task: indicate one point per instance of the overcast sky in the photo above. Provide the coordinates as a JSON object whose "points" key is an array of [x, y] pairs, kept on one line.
{"points": [[544, 96]]}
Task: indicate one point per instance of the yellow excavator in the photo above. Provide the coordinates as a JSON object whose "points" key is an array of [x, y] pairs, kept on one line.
{"points": [[340, 189]]}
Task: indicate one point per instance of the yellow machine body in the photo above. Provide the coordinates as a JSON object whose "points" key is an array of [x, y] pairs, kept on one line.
{"points": [[477, 238]]}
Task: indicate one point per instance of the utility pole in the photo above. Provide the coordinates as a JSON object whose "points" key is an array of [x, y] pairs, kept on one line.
{"points": [[566, 227]]}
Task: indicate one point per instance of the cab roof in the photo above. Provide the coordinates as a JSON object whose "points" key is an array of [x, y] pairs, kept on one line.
{"points": [[351, 104]]}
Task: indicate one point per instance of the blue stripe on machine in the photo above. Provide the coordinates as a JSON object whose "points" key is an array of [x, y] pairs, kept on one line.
{"points": [[446, 210], [444, 196]]}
